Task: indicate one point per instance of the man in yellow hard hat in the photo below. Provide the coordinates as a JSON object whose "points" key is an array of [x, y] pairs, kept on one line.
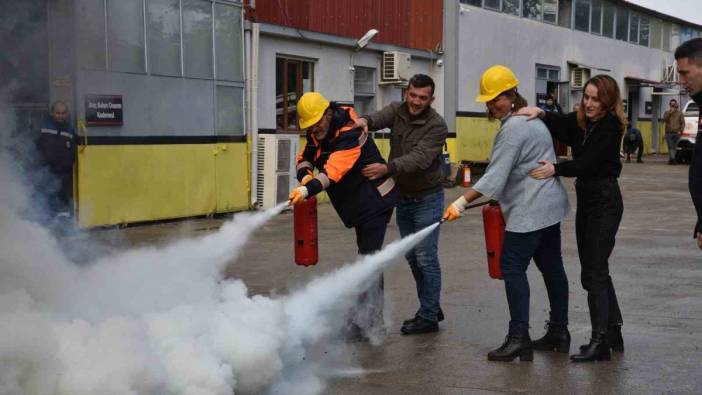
{"points": [[416, 146], [339, 151]]}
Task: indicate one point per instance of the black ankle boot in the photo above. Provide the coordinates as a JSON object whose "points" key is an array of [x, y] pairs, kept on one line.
{"points": [[597, 350], [517, 344], [614, 339], [557, 338]]}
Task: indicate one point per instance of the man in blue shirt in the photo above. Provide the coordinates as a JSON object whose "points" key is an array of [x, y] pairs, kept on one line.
{"points": [[57, 148], [633, 142]]}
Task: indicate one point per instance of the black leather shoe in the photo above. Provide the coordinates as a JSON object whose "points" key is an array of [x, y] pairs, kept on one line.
{"points": [[596, 350], [614, 339], [419, 325], [517, 344], [557, 338], [440, 317]]}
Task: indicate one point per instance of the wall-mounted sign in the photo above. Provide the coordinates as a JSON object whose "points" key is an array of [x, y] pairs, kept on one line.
{"points": [[103, 110], [648, 106]]}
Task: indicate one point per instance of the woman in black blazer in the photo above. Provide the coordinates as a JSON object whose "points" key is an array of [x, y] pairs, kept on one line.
{"points": [[594, 133]]}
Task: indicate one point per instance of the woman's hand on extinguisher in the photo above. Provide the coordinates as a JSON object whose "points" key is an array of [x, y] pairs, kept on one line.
{"points": [[544, 171], [298, 195], [456, 209]]}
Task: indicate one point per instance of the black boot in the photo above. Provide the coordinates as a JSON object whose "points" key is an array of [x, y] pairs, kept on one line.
{"points": [[615, 339], [557, 338], [419, 325], [517, 344], [440, 317], [597, 350]]}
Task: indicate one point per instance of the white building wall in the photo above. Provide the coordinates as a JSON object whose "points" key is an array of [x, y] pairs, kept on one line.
{"points": [[487, 38], [332, 72]]}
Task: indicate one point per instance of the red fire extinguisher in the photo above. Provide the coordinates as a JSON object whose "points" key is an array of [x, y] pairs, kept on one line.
{"points": [[305, 232], [494, 224], [466, 176]]}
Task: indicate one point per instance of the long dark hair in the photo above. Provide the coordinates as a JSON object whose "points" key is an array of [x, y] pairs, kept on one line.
{"points": [[517, 101], [608, 94]]}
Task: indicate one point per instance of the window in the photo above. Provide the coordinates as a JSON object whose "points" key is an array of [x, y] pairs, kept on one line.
{"points": [[656, 30], [644, 31], [596, 17], [197, 38], [364, 90], [92, 34], [492, 4], [582, 15], [125, 35], [476, 3], [229, 53], [230, 110], [293, 78], [164, 37], [550, 73], [550, 9], [665, 35], [510, 7], [608, 20], [622, 24], [634, 28], [564, 10], [532, 9], [675, 37]]}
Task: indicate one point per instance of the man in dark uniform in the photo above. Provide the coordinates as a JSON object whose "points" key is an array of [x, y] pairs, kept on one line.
{"points": [[56, 145], [339, 151], [689, 58]]}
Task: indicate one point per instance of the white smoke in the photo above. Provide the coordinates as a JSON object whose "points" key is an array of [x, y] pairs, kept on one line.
{"points": [[159, 320]]}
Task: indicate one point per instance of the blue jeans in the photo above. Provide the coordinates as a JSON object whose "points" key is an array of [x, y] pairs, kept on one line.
{"points": [[544, 245], [414, 214]]}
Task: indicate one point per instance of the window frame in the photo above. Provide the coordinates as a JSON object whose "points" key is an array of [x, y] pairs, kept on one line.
{"points": [[285, 127]]}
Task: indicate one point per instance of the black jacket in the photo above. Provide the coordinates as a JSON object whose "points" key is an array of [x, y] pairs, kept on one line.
{"points": [[340, 157], [595, 151], [695, 176]]}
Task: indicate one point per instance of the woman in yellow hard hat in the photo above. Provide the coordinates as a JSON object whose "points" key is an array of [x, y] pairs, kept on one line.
{"points": [[533, 210], [339, 151]]}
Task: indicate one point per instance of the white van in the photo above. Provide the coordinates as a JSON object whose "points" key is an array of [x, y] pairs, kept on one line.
{"points": [[686, 143]]}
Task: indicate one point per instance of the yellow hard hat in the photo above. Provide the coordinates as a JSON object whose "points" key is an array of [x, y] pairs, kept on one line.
{"points": [[310, 109], [495, 80]]}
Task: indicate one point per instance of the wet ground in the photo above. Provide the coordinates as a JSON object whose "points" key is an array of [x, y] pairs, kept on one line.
{"points": [[656, 268]]}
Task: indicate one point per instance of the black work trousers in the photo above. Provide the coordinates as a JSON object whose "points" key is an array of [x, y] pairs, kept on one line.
{"points": [[368, 312], [599, 212]]}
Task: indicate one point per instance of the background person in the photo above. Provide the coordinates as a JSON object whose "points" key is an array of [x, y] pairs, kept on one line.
{"points": [[594, 133], [57, 148], [533, 210], [633, 142], [674, 125], [416, 141], [689, 59], [340, 151]]}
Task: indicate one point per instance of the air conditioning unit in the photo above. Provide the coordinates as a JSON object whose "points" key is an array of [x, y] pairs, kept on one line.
{"points": [[275, 165], [578, 77], [670, 73], [396, 66]]}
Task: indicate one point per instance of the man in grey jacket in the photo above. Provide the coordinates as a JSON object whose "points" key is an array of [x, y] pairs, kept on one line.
{"points": [[418, 135]]}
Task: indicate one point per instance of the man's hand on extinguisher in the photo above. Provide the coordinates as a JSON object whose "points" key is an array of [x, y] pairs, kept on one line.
{"points": [[699, 240], [456, 209], [298, 195]]}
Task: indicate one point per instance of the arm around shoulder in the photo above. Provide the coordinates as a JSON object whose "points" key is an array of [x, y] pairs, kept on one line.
{"points": [[384, 118]]}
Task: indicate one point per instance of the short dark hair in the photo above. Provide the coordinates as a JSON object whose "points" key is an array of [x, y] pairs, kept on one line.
{"points": [[421, 81], [691, 49], [672, 100]]}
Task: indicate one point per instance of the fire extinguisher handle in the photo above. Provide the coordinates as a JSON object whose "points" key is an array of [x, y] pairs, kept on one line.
{"points": [[477, 204]]}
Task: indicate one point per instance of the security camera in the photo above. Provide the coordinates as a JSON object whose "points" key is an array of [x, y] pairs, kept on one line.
{"points": [[363, 41], [440, 62]]}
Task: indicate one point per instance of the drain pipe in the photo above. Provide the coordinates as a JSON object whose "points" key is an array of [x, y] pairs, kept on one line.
{"points": [[252, 43]]}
